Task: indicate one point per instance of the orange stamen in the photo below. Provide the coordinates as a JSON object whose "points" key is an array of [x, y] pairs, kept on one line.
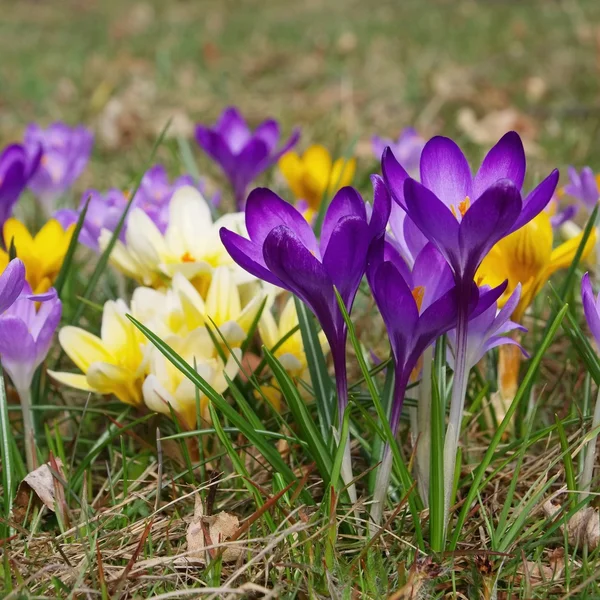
{"points": [[187, 257], [418, 294]]}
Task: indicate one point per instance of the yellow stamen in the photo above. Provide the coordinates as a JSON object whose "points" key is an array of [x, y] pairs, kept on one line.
{"points": [[418, 294]]}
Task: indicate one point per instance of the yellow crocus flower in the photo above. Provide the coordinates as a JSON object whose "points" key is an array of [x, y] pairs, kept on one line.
{"points": [[314, 173], [110, 364], [42, 254], [527, 257], [290, 353]]}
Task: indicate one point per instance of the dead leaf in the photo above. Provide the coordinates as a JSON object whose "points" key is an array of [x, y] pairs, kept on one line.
{"points": [[205, 531], [583, 527], [45, 486], [539, 573]]}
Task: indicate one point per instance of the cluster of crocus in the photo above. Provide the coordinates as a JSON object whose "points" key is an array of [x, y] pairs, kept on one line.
{"points": [[241, 153], [106, 209], [26, 333], [189, 245]]}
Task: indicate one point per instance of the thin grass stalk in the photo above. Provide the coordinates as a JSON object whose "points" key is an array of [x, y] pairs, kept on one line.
{"points": [[590, 451], [457, 403]]}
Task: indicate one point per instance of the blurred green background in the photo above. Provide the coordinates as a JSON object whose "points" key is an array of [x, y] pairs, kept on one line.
{"points": [[341, 69]]}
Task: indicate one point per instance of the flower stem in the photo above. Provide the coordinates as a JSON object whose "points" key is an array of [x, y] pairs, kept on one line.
{"points": [[385, 468], [590, 451], [28, 428], [423, 432], [457, 404], [341, 379]]}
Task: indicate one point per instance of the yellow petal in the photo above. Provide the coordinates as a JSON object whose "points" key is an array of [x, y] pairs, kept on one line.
{"points": [[112, 379], [15, 230], [73, 380], [82, 347], [223, 298], [292, 168], [562, 256], [342, 174], [267, 329], [51, 244]]}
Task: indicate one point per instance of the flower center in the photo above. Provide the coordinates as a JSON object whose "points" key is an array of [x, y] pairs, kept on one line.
{"points": [[418, 294], [463, 207], [187, 257]]}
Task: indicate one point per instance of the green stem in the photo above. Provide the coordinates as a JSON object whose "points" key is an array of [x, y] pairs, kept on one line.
{"points": [[590, 451], [28, 428]]}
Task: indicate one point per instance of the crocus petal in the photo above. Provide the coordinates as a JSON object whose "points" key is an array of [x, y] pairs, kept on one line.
{"points": [[382, 206], [346, 256], [537, 200], [347, 202], [265, 210], [434, 219], [288, 259], [394, 176], [73, 380], [249, 256], [268, 132], [82, 347], [589, 307], [487, 221], [233, 128], [12, 281], [432, 273], [506, 160], [16, 343], [445, 171]]}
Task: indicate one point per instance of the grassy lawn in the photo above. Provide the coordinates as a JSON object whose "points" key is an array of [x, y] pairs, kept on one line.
{"points": [[342, 70]]}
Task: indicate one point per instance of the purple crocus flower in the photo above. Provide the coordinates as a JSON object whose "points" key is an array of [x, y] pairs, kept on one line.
{"points": [[105, 210], [406, 236], [16, 169], [66, 152], [241, 153], [284, 251], [12, 281], [464, 216], [583, 186], [25, 337], [488, 330], [407, 149]]}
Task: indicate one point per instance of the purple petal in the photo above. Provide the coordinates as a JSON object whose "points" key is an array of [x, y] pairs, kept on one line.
{"points": [[439, 318], [486, 298], [382, 206], [506, 160], [564, 215], [232, 127], [12, 281], [66, 217], [265, 211], [248, 255], [46, 322], [346, 202], [537, 200], [16, 342], [445, 171], [288, 259], [346, 256], [268, 132], [487, 221], [378, 145], [590, 307], [431, 271], [394, 176], [291, 142], [434, 219], [215, 146]]}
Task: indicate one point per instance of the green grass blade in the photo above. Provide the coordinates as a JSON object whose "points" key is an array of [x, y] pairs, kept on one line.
{"points": [[436, 472], [269, 452], [105, 256], [303, 419], [65, 268], [322, 384]]}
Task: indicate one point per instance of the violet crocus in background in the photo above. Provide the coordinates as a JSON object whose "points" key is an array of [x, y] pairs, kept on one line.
{"points": [[241, 153], [25, 336], [591, 309], [583, 186], [65, 154], [105, 209], [407, 149], [284, 251], [16, 169], [464, 216]]}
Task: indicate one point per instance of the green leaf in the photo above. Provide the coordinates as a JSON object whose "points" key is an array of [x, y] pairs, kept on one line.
{"points": [[323, 387]]}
